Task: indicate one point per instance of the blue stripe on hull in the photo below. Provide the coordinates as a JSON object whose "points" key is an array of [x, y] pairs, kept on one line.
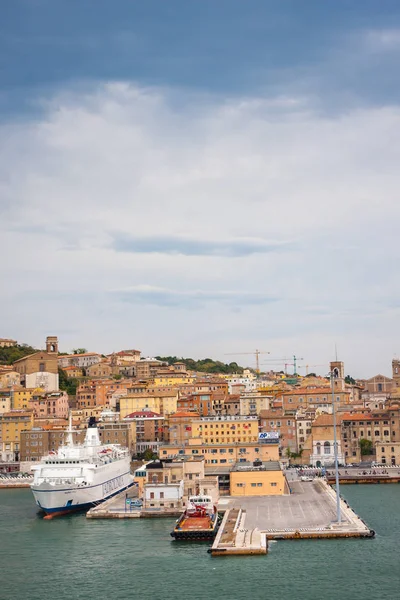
{"points": [[76, 507]]}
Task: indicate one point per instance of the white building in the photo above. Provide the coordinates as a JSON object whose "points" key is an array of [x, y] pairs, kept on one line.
{"points": [[249, 382], [79, 360], [46, 381], [163, 495], [323, 454]]}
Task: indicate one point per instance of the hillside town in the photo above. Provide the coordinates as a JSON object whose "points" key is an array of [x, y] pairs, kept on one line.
{"points": [[161, 410]]}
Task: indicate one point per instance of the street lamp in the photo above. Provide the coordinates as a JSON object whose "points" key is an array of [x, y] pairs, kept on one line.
{"points": [[333, 375]]}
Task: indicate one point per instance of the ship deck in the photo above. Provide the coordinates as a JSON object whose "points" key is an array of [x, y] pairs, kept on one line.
{"points": [[196, 523]]}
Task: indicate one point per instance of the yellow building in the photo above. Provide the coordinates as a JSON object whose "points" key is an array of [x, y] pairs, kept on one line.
{"points": [[226, 429], [264, 480], [12, 424], [387, 453], [163, 403], [21, 397], [172, 379], [8, 377], [5, 401], [223, 454]]}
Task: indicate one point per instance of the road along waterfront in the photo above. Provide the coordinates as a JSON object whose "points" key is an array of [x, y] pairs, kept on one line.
{"points": [[77, 558]]}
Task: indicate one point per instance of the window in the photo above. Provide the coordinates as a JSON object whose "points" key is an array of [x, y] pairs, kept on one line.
{"points": [[240, 485], [253, 485], [383, 449], [161, 495], [273, 484], [376, 432], [386, 432], [327, 448], [259, 484], [318, 448], [41, 367]]}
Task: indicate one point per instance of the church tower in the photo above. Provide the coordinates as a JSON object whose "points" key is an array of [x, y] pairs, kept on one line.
{"points": [[52, 344], [396, 371], [337, 368]]}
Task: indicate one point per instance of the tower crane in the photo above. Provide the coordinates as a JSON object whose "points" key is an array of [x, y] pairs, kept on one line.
{"points": [[306, 367], [256, 353], [292, 364]]}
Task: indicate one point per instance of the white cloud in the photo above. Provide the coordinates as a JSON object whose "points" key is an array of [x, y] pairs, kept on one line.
{"points": [[383, 40], [227, 178]]}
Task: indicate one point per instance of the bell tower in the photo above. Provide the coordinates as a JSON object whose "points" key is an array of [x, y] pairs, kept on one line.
{"points": [[52, 344], [337, 368], [396, 370]]}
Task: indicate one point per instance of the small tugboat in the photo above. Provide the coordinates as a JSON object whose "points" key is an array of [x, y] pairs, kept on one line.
{"points": [[199, 521]]}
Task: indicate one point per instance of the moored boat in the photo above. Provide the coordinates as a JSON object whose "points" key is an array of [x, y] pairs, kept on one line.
{"points": [[79, 476], [199, 521]]}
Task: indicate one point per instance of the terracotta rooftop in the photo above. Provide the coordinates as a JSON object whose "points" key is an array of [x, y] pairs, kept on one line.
{"points": [[143, 414], [358, 417], [182, 414]]}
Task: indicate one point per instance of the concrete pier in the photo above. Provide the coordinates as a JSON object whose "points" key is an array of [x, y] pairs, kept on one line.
{"points": [[234, 539], [7, 483]]}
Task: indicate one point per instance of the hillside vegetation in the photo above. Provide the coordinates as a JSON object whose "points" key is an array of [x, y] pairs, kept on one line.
{"points": [[204, 365], [10, 355]]}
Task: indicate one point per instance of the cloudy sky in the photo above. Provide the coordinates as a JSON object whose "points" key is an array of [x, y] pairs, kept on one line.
{"points": [[202, 178]]}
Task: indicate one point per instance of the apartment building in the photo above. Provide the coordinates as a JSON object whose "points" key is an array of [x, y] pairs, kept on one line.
{"points": [[223, 454], [226, 429], [149, 427], [12, 424]]}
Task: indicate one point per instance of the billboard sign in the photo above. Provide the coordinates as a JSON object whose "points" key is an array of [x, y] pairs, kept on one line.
{"points": [[269, 437]]}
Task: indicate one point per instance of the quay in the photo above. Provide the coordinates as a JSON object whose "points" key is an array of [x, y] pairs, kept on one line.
{"points": [[249, 522], [362, 479], [234, 539], [15, 482], [120, 507]]}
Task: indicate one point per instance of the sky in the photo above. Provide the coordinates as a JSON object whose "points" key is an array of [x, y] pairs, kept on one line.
{"points": [[202, 178]]}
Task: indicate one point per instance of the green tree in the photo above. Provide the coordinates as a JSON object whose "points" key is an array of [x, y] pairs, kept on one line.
{"points": [[149, 454], [79, 351], [67, 384], [204, 365], [350, 380], [365, 447], [9, 355]]}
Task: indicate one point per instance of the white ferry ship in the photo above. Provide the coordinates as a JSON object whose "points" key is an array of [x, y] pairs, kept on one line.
{"points": [[79, 476]]}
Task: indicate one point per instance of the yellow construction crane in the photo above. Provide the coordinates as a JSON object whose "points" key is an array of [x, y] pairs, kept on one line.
{"points": [[256, 353]]}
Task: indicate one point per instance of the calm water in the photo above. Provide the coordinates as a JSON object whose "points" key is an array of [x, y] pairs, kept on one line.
{"points": [[72, 558]]}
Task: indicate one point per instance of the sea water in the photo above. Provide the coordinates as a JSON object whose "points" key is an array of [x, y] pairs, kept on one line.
{"points": [[72, 558]]}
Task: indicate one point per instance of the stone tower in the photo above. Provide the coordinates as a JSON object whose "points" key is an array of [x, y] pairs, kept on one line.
{"points": [[396, 371], [337, 368], [52, 344]]}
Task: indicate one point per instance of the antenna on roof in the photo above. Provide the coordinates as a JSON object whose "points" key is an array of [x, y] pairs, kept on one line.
{"points": [[336, 351]]}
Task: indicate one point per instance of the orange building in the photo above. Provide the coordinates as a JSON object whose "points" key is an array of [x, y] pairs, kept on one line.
{"points": [[179, 426]]}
